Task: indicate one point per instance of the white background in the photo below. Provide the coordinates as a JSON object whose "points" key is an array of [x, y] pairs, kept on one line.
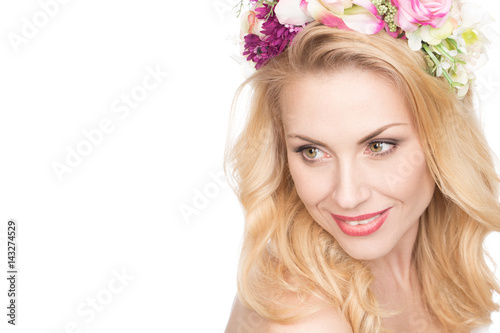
{"points": [[118, 210]]}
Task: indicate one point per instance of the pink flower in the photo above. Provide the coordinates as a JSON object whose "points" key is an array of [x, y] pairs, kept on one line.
{"points": [[250, 23], [292, 12], [412, 13], [358, 15]]}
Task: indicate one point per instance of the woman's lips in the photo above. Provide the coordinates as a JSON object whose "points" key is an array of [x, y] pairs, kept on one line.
{"points": [[362, 225]]}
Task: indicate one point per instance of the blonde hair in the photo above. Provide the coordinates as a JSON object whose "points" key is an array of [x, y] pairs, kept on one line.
{"points": [[285, 252]]}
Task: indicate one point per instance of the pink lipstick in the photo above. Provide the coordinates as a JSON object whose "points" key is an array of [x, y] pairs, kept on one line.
{"points": [[362, 225]]}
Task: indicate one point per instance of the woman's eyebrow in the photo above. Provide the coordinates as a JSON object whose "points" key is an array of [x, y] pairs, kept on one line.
{"points": [[363, 140], [378, 131], [305, 138]]}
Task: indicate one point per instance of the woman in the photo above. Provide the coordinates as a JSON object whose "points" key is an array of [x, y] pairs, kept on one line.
{"points": [[367, 184]]}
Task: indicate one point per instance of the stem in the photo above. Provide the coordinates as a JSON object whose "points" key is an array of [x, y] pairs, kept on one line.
{"points": [[270, 3], [238, 7], [440, 47], [455, 44], [437, 62], [448, 78], [431, 54]]}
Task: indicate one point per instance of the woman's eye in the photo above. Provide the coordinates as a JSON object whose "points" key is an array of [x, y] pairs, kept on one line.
{"points": [[380, 147], [312, 153]]}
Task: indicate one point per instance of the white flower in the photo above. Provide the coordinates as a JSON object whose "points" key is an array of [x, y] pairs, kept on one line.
{"points": [[290, 12], [250, 24], [414, 40], [434, 36], [460, 76], [445, 65], [474, 16]]}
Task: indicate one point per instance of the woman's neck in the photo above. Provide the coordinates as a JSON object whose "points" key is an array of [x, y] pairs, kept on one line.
{"points": [[397, 269], [398, 289]]}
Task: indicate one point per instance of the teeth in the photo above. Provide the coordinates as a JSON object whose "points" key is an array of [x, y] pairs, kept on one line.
{"points": [[363, 221]]}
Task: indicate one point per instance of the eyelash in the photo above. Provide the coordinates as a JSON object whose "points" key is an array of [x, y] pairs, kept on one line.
{"points": [[393, 145], [301, 150]]}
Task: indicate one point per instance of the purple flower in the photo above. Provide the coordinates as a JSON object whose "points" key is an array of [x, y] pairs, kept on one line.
{"points": [[258, 50], [275, 37]]}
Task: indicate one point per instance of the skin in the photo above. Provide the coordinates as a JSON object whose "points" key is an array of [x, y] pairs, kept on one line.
{"points": [[325, 321], [353, 150]]}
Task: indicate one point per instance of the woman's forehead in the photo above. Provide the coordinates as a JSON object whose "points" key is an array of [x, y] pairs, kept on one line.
{"points": [[346, 99]]}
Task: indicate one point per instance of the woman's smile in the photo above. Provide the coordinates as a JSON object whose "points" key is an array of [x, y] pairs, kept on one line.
{"points": [[362, 225]]}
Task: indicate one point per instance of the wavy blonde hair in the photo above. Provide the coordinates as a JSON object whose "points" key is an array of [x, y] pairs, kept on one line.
{"points": [[282, 243]]}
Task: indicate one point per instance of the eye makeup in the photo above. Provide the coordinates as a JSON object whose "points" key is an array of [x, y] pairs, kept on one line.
{"points": [[375, 148]]}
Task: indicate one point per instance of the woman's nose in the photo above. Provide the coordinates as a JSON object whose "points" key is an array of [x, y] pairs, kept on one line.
{"points": [[350, 189]]}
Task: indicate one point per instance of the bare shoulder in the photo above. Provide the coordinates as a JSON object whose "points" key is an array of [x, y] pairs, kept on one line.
{"points": [[325, 321], [245, 320]]}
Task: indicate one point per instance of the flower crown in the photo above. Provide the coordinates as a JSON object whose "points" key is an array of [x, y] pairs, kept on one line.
{"points": [[447, 30]]}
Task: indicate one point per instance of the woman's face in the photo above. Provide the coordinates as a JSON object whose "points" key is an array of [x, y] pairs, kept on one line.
{"points": [[356, 161]]}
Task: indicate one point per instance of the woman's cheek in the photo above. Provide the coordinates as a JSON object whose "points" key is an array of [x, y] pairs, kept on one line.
{"points": [[406, 173], [312, 183]]}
